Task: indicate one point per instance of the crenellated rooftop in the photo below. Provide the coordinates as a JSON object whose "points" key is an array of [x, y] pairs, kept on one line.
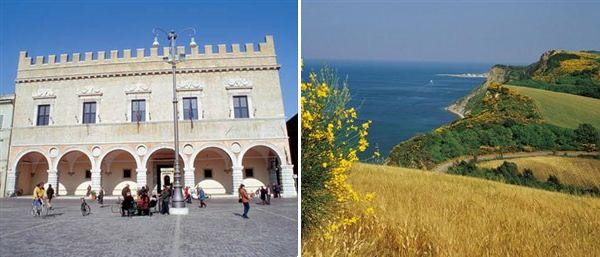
{"points": [[33, 69]]}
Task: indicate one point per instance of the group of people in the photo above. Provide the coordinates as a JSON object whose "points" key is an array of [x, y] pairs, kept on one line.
{"points": [[263, 192], [144, 202], [266, 192], [140, 205]]}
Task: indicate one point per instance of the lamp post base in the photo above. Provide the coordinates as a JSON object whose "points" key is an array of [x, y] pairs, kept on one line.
{"points": [[179, 211]]}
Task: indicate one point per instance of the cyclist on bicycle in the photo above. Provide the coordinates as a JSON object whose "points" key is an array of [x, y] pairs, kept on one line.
{"points": [[38, 195]]}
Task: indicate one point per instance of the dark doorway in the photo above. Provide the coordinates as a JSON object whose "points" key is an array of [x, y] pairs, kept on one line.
{"points": [[161, 175]]}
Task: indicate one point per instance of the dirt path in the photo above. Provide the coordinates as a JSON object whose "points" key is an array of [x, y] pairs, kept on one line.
{"points": [[444, 166]]}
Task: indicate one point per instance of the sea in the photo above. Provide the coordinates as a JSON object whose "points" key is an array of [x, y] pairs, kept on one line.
{"points": [[402, 99]]}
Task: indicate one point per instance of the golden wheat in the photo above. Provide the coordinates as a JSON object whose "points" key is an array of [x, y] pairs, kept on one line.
{"points": [[572, 171], [423, 213]]}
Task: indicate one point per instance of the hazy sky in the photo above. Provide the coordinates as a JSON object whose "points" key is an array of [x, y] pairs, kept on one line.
{"points": [[66, 26], [447, 31]]}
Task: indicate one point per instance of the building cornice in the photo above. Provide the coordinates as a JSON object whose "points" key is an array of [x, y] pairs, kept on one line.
{"points": [[146, 73], [153, 142]]}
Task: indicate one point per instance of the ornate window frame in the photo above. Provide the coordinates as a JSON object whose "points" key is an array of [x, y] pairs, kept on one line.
{"points": [[240, 87]]}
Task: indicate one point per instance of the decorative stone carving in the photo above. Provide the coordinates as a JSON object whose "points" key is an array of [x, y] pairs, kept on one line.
{"points": [[189, 86], [53, 152], [188, 149], [90, 91], [96, 151], [238, 83], [138, 88], [44, 93], [141, 150], [236, 147]]}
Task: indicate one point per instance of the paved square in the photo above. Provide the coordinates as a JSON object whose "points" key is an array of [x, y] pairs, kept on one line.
{"points": [[218, 230]]}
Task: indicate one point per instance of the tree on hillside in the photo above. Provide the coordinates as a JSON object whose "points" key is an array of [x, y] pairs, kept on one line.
{"points": [[587, 134]]}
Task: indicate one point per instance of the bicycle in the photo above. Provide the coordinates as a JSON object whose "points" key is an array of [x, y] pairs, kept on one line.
{"points": [[39, 209], [116, 208], [85, 208]]}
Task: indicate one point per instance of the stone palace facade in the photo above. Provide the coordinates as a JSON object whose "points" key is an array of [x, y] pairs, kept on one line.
{"points": [[106, 120]]}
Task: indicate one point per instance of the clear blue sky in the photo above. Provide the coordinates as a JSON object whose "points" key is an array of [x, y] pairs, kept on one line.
{"points": [[65, 27], [488, 31]]}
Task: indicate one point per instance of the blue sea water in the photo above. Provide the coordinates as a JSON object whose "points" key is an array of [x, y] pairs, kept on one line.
{"points": [[402, 99]]}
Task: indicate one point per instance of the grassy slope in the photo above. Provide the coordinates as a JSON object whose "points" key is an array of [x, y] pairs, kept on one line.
{"points": [[562, 109], [573, 171], [464, 216]]}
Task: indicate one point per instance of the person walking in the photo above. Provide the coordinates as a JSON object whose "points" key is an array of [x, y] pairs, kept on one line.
{"points": [[245, 200], [101, 196], [201, 197], [263, 195], [269, 192], [89, 191], [165, 197], [49, 195]]}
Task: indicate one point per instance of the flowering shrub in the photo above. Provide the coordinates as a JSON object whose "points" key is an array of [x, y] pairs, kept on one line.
{"points": [[331, 139]]}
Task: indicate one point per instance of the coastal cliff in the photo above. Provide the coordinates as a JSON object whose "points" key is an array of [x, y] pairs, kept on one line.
{"points": [[497, 117], [498, 73], [573, 72]]}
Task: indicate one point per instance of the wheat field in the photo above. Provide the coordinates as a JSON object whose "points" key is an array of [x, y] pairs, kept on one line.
{"points": [[572, 171], [420, 213]]}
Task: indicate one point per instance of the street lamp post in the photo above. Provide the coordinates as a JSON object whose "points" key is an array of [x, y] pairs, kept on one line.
{"points": [[178, 206]]}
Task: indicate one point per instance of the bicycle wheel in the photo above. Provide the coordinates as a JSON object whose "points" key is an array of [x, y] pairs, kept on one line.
{"points": [[115, 208], [85, 209], [44, 210]]}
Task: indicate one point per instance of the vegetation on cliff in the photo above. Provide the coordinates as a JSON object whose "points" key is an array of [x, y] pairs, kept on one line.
{"points": [[572, 72], [503, 119]]}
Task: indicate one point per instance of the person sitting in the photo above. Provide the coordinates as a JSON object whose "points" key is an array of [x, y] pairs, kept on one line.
{"points": [[127, 205], [153, 202], [143, 205]]}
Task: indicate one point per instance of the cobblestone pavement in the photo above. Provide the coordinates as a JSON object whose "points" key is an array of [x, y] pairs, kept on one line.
{"points": [[218, 230]]}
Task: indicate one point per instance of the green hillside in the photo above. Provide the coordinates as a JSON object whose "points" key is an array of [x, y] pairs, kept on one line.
{"points": [[561, 109]]}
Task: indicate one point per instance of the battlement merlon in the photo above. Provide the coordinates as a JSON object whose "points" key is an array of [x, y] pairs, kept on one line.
{"points": [[265, 49]]}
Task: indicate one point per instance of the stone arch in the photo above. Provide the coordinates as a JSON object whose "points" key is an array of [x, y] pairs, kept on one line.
{"points": [[131, 152], [69, 181], [280, 152], [152, 151], [23, 153], [73, 149], [124, 159], [153, 180], [220, 161], [23, 184], [256, 157], [222, 147]]}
